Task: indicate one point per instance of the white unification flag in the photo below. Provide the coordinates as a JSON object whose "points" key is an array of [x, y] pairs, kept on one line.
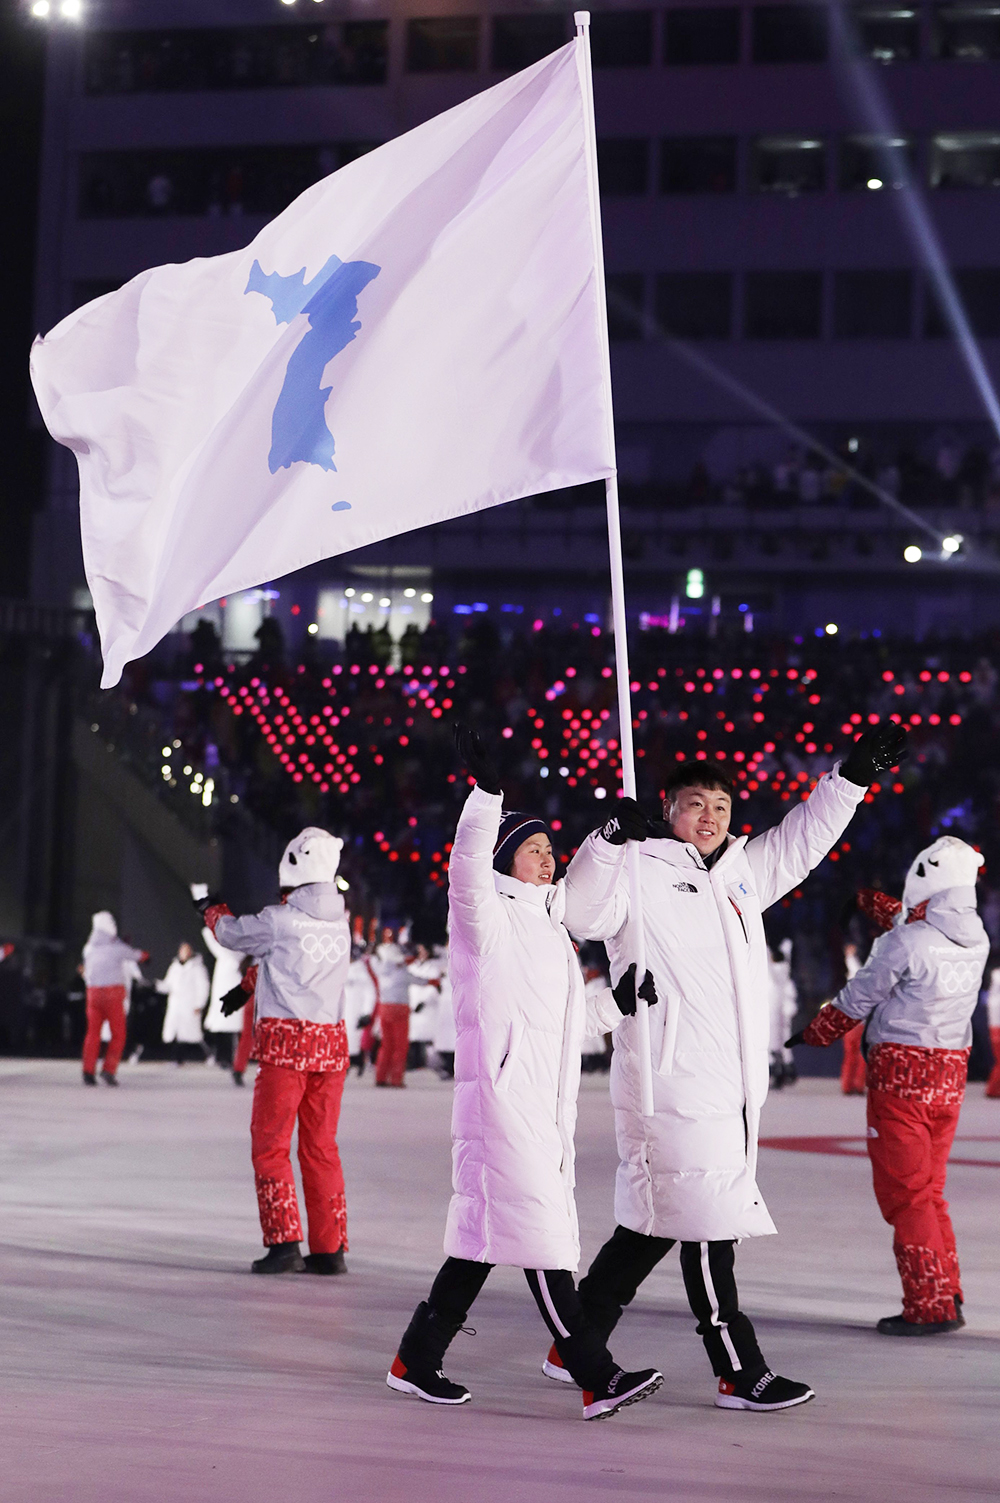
{"points": [[417, 336]]}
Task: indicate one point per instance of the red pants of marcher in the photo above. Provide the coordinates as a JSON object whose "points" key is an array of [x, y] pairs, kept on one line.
{"points": [[909, 1159], [105, 1004], [852, 1071], [390, 1067], [993, 1084], [313, 1096], [244, 1048]]}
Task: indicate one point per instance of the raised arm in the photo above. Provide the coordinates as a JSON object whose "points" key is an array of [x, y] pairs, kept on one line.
{"points": [[784, 856], [884, 968], [473, 904], [253, 934]]}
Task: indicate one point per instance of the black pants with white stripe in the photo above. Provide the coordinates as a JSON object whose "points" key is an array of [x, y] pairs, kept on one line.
{"points": [[582, 1350], [629, 1257]]}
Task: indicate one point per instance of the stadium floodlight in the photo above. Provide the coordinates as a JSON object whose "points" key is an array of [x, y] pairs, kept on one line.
{"points": [[952, 544], [71, 10], [831, 628], [385, 602], [367, 597], [913, 554], [313, 628], [409, 594], [427, 597], [350, 592], [41, 10], [694, 587], [875, 182], [288, 2]]}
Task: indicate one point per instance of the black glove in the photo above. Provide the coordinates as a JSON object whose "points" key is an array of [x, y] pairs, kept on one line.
{"points": [[624, 992], [474, 755], [796, 1038], [627, 823], [210, 900], [233, 1000], [874, 753]]}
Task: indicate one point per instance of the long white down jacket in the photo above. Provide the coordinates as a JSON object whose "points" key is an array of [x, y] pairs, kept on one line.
{"points": [[520, 1018], [186, 985], [689, 1172], [226, 973]]}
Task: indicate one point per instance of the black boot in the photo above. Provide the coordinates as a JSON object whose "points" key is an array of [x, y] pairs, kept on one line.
{"points": [[283, 1257], [237, 1077], [89, 1078], [416, 1367], [108, 1078], [326, 1262]]}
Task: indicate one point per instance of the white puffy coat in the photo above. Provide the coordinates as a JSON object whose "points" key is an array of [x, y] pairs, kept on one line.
{"points": [[520, 1017], [186, 986], [689, 1171], [444, 1013], [226, 973]]}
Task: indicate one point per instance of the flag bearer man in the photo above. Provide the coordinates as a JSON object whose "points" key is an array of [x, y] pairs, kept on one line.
{"points": [[916, 995], [688, 1173], [303, 949]]}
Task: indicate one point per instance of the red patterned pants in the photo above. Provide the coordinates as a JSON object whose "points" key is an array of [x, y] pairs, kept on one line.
{"points": [[852, 1071], [390, 1067], [105, 1004], [281, 1095], [914, 1100]]}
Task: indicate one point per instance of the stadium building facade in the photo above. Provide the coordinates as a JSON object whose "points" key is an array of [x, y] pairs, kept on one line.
{"points": [[779, 182]]}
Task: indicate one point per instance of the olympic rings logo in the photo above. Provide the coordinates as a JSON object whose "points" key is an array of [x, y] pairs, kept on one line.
{"points": [[957, 976], [321, 947]]}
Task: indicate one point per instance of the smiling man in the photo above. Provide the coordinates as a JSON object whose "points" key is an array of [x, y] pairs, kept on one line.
{"points": [[688, 1173]]}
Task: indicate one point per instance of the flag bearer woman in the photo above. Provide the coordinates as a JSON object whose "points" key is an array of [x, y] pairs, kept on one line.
{"points": [[520, 1017]]}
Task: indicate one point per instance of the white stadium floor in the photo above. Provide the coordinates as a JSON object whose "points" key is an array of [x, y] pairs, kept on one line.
{"points": [[141, 1361]]}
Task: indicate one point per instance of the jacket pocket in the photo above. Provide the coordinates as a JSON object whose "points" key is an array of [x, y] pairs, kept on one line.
{"points": [[668, 1043], [510, 1058]]}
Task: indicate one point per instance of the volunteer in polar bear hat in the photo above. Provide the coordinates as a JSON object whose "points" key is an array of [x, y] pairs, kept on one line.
{"points": [[916, 995], [688, 1173], [105, 958], [302, 947], [520, 1016]]}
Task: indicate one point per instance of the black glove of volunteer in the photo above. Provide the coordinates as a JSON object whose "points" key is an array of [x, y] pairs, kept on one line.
{"points": [[874, 753], [796, 1038], [233, 1000], [474, 755], [210, 900], [624, 992], [627, 823]]}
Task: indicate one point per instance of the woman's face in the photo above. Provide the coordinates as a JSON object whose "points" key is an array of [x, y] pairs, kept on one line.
{"points": [[534, 862]]}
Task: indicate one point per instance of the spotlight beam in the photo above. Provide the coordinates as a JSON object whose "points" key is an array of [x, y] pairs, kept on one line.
{"points": [[869, 96]]}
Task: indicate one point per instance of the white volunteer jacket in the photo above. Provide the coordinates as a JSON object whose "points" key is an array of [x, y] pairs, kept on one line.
{"points": [[226, 973], [520, 1018], [689, 1172], [186, 986]]}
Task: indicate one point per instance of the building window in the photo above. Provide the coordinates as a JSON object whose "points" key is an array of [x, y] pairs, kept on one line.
{"points": [[230, 181], [872, 304], [969, 159], [788, 164], [626, 295], [874, 162], [711, 35], [442, 44], [887, 33], [790, 34], [967, 32], [698, 164], [622, 38], [623, 167], [519, 41], [979, 290], [695, 304], [783, 304], [257, 57]]}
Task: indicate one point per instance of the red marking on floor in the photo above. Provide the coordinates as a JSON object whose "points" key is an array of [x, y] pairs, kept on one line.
{"points": [[856, 1148]]}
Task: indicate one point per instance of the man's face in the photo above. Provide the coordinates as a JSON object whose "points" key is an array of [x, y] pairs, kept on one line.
{"points": [[534, 861], [700, 817], [184, 952]]}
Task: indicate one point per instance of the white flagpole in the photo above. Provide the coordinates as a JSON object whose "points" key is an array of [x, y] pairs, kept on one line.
{"points": [[582, 19]]}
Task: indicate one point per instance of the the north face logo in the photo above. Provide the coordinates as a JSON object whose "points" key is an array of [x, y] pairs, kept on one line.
{"points": [[685, 887]]}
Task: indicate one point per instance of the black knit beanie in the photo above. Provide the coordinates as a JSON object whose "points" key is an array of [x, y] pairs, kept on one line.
{"points": [[514, 830]]}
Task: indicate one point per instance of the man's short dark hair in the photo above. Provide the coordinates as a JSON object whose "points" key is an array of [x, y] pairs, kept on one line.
{"points": [[697, 775]]}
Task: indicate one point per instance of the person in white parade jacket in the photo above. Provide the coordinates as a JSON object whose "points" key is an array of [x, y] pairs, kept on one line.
{"points": [[688, 1173], [227, 973], [520, 1017], [302, 946], [187, 987]]}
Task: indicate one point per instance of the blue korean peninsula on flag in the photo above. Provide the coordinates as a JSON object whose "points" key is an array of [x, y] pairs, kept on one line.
{"points": [[415, 337]]}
